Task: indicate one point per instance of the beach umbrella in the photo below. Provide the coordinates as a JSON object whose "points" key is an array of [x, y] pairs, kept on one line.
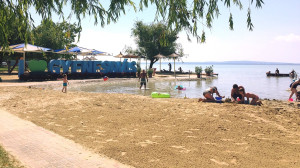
{"points": [[174, 56], [119, 56], [131, 56], [159, 56], [74, 51], [23, 48]]}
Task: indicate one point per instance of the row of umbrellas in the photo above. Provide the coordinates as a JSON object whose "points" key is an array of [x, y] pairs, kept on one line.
{"points": [[23, 48]]}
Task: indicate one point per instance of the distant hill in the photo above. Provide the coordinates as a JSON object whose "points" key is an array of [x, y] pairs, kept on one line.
{"points": [[247, 63]]}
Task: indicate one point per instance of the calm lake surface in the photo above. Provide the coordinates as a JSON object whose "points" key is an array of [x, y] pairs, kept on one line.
{"points": [[252, 77]]}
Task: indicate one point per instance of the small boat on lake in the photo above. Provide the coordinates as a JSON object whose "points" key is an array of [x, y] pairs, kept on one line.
{"points": [[279, 75]]}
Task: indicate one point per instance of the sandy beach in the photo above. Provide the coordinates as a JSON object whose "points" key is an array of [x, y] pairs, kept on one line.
{"points": [[145, 132]]}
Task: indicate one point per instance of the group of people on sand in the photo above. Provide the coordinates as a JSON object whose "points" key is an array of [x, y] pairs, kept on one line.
{"points": [[238, 94]]}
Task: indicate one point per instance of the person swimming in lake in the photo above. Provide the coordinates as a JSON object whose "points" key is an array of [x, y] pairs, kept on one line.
{"points": [[65, 83], [293, 87], [255, 98], [143, 76], [208, 95]]}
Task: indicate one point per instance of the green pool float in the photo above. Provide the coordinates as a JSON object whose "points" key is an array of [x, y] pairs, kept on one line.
{"points": [[160, 95]]}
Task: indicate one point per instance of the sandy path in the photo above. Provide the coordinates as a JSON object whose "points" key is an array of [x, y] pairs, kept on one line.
{"points": [[145, 132]]}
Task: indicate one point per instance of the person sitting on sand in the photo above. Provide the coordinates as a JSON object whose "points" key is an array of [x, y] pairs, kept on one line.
{"points": [[255, 98], [143, 78], [293, 87], [208, 95], [236, 94], [65, 84]]}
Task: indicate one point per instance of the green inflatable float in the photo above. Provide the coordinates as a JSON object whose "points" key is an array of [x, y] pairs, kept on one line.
{"points": [[160, 95]]}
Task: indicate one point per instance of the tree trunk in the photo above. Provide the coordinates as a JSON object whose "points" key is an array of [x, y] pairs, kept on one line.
{"points": [[152, 61]]}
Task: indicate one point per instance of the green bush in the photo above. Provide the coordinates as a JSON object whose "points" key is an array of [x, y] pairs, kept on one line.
{"points": [[150, 71], [209, 70], [198, 69]]}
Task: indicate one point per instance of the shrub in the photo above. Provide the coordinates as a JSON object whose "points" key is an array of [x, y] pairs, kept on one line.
{"points": [[198, 69], [209, 70], [150, 71]]}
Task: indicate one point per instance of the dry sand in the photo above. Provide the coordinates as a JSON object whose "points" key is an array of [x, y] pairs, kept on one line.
{"points": [[145, 132]]}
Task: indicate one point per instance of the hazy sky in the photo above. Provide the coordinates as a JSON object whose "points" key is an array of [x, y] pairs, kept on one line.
{"points": [[276, 35]]}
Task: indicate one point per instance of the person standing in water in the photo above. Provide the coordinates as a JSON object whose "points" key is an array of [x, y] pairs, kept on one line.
{"points": [[65, 84], [143, 77]]}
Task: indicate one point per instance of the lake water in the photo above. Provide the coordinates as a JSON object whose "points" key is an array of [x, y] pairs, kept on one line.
{"points": [[252, 77]]}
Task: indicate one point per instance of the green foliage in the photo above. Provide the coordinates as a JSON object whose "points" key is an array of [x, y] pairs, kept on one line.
{"points": [[6, 161], [55, 35], [154, 39], [150, 71], [198, 69], [138, 69], [178, 14], [209, 70]]}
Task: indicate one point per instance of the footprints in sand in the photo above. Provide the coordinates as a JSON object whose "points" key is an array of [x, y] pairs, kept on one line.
{"points": [[146, 143], [219, 162], [181, 149]]}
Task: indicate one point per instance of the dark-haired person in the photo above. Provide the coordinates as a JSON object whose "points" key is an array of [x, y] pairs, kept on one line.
{"points": [[208, 94], [255, 98], [143, 77], [236, 94], [294, 88], [277, 71]]}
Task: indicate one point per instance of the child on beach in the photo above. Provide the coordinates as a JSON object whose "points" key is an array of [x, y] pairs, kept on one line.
{"points": [[208, 95], [65, 84], [255, 98], [143, 77]]}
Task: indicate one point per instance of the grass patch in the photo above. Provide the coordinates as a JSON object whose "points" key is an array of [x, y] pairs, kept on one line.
{"points": [[6, 161]]}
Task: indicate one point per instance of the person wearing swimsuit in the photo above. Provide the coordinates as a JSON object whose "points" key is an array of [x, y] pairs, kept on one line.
{"points": [[255, 98], [294, 88], [143, 78], [208, 94], [65, 84]]}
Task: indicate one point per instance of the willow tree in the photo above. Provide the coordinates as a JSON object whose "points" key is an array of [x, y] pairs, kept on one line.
{"points": [[186, 15]]}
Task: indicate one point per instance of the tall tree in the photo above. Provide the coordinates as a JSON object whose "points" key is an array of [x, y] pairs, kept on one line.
{"points": [[154, 39], [55, 36], [179, 14]]}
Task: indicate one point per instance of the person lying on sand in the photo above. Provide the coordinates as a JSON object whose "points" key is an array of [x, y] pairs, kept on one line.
{"points": [[255, 98], [208, 95]]}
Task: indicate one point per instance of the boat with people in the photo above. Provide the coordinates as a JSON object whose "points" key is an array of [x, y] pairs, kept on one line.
{"points": [[292, 75]]}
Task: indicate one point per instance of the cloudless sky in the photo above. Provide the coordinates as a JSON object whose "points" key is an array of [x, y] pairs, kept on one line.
{"points": [[275, 38]]}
